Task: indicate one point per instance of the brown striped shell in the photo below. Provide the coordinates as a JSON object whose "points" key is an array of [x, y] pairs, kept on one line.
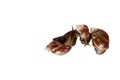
{"points": [[63, 44], [84, 34], [100, 40]]}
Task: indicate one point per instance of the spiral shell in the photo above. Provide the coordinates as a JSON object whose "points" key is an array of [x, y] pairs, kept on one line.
{"points": [[100, 40], [63, 44], [83, 34]]}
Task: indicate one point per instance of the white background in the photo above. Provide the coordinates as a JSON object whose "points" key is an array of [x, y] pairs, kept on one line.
{"points": [[27, 26]]}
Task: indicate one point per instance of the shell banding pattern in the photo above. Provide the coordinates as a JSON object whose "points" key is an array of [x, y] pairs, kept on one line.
{"points": [[63, 44]]}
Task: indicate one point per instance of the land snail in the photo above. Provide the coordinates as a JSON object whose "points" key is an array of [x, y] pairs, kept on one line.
{"points": [[84, 34], [63, 44], [100, 40]]}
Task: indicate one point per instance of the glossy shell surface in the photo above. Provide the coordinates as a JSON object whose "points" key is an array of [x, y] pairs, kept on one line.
{"points": [[100, 40]]}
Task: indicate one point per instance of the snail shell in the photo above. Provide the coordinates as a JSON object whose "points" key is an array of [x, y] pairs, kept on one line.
{"points": [[100, 40], [58, 48], [84, 34], [63, 44]]}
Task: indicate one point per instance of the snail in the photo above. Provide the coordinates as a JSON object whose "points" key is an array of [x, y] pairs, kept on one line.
{"points": [[100, 40], [63, 44], [83, 34]]}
